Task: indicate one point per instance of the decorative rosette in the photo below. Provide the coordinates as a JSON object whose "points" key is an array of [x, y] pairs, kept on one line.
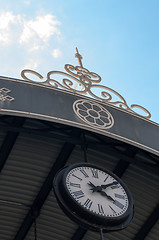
{"points": [[93, 114]]}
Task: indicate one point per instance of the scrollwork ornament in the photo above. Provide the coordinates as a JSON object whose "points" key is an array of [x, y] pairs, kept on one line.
{"points": [[80, 80], [82, 73], [23, 74], [121, 103], [70, 83]]}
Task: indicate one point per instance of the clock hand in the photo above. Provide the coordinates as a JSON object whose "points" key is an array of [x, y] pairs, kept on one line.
{"points": [[108, 185], [94, 188], [91, 184], [99, 188], [106, 195]]}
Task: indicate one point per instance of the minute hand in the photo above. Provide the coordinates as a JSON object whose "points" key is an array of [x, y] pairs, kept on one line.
{"points": [[108, 185], [106, 195]]}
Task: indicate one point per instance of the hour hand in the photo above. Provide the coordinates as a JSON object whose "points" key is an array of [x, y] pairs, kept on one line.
{"points": [[94, 188], [91, 184]]}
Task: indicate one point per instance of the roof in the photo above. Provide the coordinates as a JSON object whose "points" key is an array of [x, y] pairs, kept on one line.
{"points": [[34, 148]]}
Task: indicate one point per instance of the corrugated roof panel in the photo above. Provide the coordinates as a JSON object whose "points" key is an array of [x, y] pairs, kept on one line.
{"points": [[144, 187], [53, 222], [27, 166], [94, 156], [11, 216], [154, 233], [23, 174]]}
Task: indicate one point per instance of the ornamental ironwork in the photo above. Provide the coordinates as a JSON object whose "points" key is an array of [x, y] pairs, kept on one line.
{"points": [[81, 81], [4, 95], [93, 114]]}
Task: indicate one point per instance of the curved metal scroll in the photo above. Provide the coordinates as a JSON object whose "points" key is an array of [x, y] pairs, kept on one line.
{"points": [[80, 80]]}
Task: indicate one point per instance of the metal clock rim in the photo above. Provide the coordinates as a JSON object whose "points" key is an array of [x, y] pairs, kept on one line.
{"points": [[100, 217], [107, 226]]}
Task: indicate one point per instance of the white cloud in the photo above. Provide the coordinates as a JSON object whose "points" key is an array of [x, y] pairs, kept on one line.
{"points": [[56, 53], [27, 2], [7, 20], [34, 33]]}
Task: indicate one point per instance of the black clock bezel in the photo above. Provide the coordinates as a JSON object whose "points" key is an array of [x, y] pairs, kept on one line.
{"points": [[80, 207], [83, 216]]}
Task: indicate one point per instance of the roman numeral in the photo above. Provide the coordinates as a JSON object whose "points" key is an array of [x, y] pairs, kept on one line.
{"points": [[94, 173], [106, 179], [77, 177], [118, 204], [78, 194], [75, 185], [112, 209], [88, 203], [100, 209], [115, 186], [119, 196], [84, 173]]}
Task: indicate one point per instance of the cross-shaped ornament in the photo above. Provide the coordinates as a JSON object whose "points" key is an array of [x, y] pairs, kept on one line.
{"points": [[77, 55]]}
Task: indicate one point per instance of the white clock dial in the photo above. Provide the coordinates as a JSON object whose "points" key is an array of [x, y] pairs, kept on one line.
{"points": [[97, 191]]}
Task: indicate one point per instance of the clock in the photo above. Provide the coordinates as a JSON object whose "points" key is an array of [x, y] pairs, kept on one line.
{"points": [[93, 197]]}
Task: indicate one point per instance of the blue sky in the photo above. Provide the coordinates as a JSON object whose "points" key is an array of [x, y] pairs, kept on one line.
{"points": [[118, 39]]}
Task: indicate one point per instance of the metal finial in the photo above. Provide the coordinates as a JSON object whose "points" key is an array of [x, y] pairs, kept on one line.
{"points": [[77, 55]]}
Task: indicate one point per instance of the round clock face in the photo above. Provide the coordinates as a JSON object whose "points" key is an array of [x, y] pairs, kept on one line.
{"points": [[97, 191], [93, 197]]}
